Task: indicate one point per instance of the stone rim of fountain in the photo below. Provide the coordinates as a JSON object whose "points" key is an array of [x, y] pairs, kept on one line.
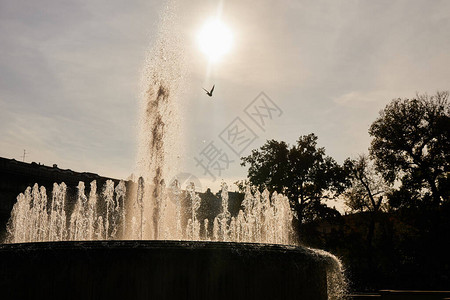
{"points": [[138, 268], [239, 248]]}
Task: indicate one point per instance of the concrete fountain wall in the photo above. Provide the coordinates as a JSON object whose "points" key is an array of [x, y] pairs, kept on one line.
{"points": [[160, 270]]}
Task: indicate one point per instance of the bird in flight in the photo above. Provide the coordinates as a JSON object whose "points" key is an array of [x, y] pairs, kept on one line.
{"points": [[209, 93]]}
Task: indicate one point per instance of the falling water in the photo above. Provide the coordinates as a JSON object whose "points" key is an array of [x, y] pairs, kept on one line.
{"points": [[193, 227], [155, 211], [33, 219], [138, 226], [92, 210], [223, 219], [176, 191], [57, 225]]}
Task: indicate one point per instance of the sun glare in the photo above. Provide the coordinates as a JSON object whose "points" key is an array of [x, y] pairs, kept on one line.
{"points": [[215, 39]]}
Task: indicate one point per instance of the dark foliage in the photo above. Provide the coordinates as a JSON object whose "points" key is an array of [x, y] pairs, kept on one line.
{"points": [[302, 172], [411, 143]]}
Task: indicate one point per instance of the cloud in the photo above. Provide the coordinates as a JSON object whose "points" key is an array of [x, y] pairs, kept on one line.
{"points": [[70, 72]]}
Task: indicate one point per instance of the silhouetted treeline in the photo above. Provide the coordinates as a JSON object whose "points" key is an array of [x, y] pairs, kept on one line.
{"points": [[398, 228]]}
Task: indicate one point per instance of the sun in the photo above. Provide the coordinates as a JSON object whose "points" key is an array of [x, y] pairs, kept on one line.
{"points": [[215, 39]]}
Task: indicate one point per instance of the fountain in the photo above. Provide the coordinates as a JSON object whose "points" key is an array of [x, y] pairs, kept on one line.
{"points": [[147, 239], [53, 252]]}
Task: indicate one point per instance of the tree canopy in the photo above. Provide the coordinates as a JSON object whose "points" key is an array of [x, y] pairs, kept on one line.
{"points": [[411, 143], [302, 172]]}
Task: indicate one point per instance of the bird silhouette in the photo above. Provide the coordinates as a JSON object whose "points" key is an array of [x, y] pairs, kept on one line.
{"points": [[209, 93]]}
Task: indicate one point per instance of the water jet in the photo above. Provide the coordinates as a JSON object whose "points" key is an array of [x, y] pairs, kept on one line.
{"points": [[154, 244]]}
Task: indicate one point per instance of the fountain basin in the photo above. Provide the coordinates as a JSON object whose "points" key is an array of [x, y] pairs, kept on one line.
{"points": [[160, 270]]}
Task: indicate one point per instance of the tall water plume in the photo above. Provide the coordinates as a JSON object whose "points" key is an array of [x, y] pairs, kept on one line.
{"points": [[159, 124]]}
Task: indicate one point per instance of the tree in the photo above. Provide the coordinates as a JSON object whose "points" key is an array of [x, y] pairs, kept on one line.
{"points": [[367, 185], [367, 190], [411, 143], [241, 185], [302, 172]]}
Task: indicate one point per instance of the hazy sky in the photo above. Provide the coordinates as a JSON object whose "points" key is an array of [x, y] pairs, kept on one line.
{"points": [[70, 72]]}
